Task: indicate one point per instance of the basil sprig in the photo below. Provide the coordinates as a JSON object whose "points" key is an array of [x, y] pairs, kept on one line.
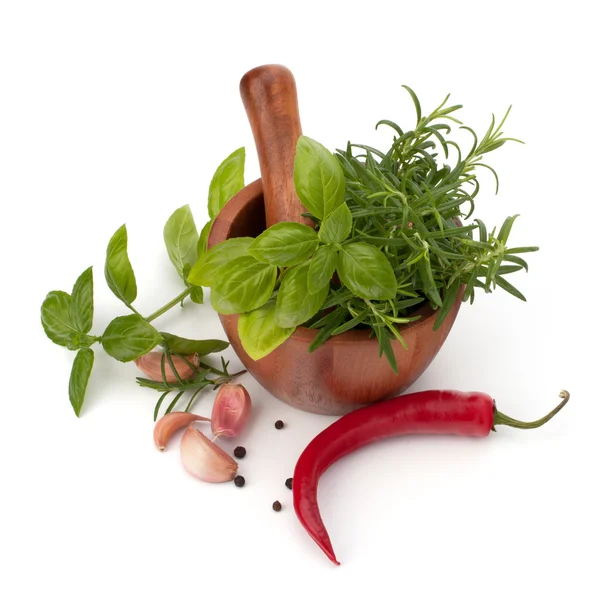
{"points": [[67, 318]]}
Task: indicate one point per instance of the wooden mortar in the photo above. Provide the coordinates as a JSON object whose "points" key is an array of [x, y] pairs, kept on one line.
{"points": [[346, 372]]}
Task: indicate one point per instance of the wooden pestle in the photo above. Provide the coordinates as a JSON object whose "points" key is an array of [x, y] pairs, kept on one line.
{"points": [[269, 96]]}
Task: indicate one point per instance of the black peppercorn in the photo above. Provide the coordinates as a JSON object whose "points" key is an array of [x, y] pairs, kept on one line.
{"points": [[239, 452], [276, 506], [278, 424], [239, 481], [288, 483]]}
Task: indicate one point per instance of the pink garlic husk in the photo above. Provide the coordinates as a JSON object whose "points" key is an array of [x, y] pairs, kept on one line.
{"points": [[231, 410], [167, 425], [150, 365], [204, 459]]}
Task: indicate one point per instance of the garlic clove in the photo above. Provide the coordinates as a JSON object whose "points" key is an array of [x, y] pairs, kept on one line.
{"points": [[204, 459], [231, 410], [167, 425], [150, 365]]}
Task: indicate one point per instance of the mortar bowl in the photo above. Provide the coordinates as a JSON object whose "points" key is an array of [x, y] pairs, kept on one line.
{"points": [[346, 372]]}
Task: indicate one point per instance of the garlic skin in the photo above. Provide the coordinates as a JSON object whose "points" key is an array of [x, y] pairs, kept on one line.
{"points": [[167, 425], [204, 459], [231, 410], [150, 365]]}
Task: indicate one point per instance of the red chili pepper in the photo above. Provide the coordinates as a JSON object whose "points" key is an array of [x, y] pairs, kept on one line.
{"points": [[432, 412]]}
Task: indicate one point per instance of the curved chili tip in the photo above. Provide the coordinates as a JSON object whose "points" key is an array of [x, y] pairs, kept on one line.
{"points": [[330, 554], [311, 464], [309, 515]]}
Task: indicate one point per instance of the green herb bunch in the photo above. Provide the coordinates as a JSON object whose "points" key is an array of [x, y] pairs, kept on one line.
{"points": [[67, 318], [388, 238]]}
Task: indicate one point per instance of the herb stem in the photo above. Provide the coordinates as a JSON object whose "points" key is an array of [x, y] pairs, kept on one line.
{"points": [[211, 369], [169, 305], [234, 375], [133, 310], [191, 402], [216, 371]]}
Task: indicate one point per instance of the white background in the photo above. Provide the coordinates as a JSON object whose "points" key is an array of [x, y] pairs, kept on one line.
{"points": [[119, 112]]}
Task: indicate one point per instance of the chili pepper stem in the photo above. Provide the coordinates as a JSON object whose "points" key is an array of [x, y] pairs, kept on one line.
{"points": [[502, 419]]}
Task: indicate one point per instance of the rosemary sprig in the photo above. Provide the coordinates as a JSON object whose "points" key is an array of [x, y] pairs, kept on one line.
{"points": [[412, 207], [195, 384]]}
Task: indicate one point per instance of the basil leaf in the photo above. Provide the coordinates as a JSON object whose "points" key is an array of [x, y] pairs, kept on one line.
{"points": [[56, 320], [117, 269], [206, 270], [82, 302], [202, 246], [127, 338], [181, 238], [318, 178], [259, 332], [244, 284], [337, 226], [321, 268], [227, 181], [197, 295], [80, 374], [221, 304], [366, 272], [295, 304], [285, 244], [179, 345]]}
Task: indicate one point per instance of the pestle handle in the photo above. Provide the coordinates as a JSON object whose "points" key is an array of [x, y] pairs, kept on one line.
{"points": [[269, 96]]}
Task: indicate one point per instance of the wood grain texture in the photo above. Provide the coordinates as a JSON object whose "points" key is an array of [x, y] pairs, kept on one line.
{"points": [[270, 99], [344, 373]]}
